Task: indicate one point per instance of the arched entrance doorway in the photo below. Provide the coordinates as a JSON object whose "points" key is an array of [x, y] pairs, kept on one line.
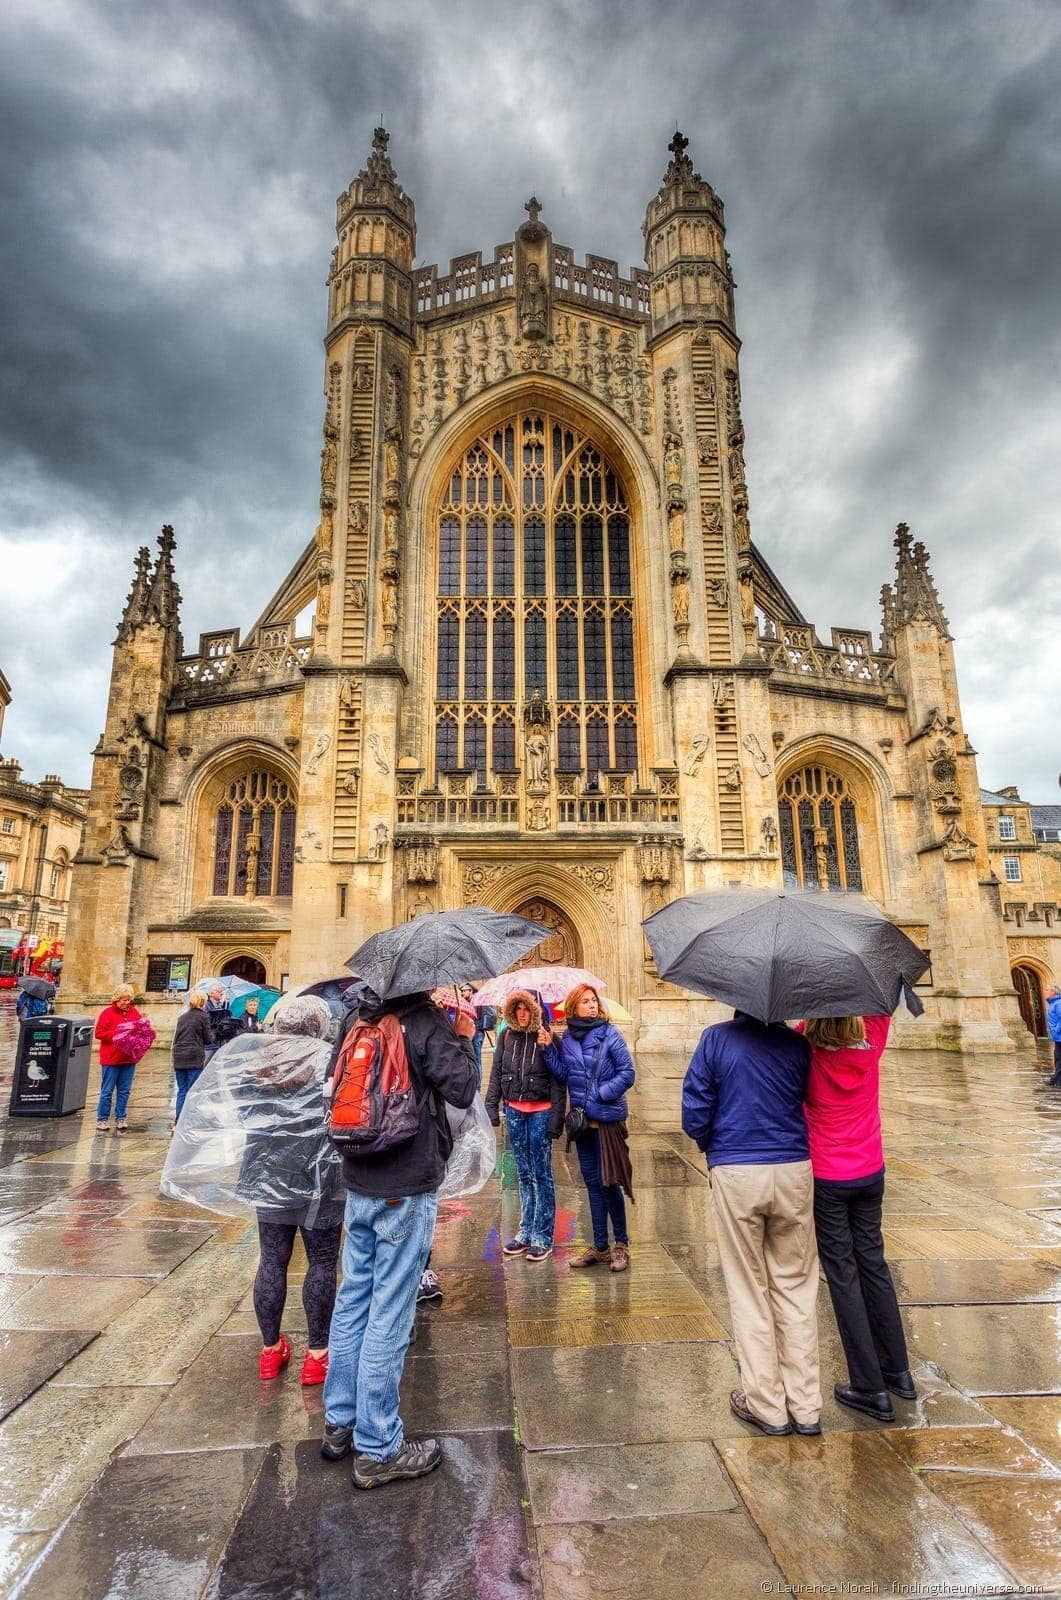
{"points": [[562, 948], [1029, 987], [245, 967]]}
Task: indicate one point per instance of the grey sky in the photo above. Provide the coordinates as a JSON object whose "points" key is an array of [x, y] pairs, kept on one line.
{"points": [[892, 179]]}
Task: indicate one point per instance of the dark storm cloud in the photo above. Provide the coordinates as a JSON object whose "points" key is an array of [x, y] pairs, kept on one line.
{"points": [[891, 175]]}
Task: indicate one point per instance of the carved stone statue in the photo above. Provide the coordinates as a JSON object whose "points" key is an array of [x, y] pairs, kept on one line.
{"points": [[720, 593], [351, 782], [763, 764], [746, 577], [320, 745], [254, 851], [673, 465], [537, 751], [377, 850], [768, 830], [733, 779], [680, 593], [698, 752], [532, 304]]}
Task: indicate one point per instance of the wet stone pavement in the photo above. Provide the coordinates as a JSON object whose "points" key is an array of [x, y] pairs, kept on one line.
{"points": [[589, 1446]]}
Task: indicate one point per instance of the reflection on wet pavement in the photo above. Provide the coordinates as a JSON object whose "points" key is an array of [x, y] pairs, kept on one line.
{"points": [[590, 1449]]}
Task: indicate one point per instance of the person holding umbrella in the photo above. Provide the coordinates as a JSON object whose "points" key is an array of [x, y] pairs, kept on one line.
{"points": [[847, 1155]]}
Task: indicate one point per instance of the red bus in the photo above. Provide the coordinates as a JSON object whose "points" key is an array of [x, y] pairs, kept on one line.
{"points": [[23, 955]]}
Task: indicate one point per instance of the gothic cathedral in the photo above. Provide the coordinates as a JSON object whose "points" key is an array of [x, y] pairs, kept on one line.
{"points": [[531, 658]]}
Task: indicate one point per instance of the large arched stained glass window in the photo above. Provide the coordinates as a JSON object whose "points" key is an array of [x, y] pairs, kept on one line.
{"points": [[254, 835], [819, 831], [535, 599]]}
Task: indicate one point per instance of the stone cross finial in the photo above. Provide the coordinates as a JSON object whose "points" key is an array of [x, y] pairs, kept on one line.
{"points": [[533, 208], [380, 140], [678, 145]]}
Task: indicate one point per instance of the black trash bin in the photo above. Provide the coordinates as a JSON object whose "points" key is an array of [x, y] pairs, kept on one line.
{"points": [[51, 1066]]}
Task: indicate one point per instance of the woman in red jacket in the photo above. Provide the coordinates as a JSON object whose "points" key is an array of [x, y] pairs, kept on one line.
{"points": [[117, 1068], [842, 1108]]}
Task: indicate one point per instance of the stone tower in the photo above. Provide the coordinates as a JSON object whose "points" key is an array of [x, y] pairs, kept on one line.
{"points": [[113, 874]]}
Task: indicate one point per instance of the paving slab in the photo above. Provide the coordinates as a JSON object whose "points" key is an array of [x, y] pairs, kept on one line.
{"points": [[1016, 1519], [151, 1526], [1037, 1418], [975, 1282], [1012, 1349], [306, 1533], [106, 1249], [72, 1301], [28, 1359], [656, 1558], [844, 1506], [991, 1450], [619, 1328], [39, 1488], [608, 1483], [623, 1394], [448, 1393]]}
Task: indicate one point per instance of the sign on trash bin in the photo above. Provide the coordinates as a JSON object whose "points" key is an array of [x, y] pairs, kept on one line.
{"points": [[51, 1066]]}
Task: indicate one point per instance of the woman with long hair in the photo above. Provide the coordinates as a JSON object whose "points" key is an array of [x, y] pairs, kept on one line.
{"points": [[534, 1113], [592, 1059], [847, 1158]]}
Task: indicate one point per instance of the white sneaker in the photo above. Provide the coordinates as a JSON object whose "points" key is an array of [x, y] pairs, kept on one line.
{"points": [[430, 1288]]}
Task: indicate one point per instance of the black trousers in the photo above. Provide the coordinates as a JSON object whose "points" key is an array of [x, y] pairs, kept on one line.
{"points": [[847, 1220], [1057, 1062]]}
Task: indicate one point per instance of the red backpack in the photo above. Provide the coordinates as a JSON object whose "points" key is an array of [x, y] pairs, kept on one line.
{"points": [[374, 1104]]}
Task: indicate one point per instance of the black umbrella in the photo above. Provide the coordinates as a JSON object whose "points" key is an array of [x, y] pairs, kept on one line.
{"points": [[443, 947], [778, 956], [37, 988]]}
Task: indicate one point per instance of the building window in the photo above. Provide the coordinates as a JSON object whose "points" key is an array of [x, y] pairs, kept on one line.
{"points": [[819, 832], [1011, 867], [55, 881], [3, 875], [8, 825], [254, 834], [340, 899], [534, 598], [1007, 828]]}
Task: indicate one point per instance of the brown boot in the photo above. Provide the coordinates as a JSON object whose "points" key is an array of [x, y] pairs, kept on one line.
{"points": [[620, 1257], [589, 1257]]}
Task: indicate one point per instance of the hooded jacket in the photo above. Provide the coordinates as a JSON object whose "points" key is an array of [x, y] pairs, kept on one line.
{"points": [[519, 1070], [596, 1067], [442, 1066]]}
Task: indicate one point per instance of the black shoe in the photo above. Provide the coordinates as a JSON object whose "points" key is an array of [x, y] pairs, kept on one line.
{"points": [[415, 1458], [902, 1384], [874, 1402], [337, 1442], [808, 1429], [738, 1404]]}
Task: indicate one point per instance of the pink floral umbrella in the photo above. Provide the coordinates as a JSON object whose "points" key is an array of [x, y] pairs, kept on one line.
{"points": [[551, 984]]}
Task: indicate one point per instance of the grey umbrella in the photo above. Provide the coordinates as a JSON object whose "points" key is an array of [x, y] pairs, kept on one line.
{"points": [[37, 988], [785, 955], [443, 947]]}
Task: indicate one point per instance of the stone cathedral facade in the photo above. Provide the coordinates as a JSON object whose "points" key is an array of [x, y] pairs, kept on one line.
{"points": [[543, 664]]}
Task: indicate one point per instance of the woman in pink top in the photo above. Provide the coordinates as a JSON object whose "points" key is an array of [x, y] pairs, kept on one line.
{"points": [[842, 1107]]}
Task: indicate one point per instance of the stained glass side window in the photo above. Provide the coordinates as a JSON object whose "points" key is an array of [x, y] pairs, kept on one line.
{"points": [[596, 656], [619, 555], [504, 656], [565, 556], [244, 824], [534, 556], [534, 674], [286, 869], [448, 655], [849, 834], [789, 864], [818, 824], [266, 835], [622, 655], [504, 557], [475, 557], [475, 656], [805, 814], [592, 556], [567, 656], [504, 744], [445, 744], [569, 745], [626, 743], [449, 557], [598, 752], [222, 850], [475, 744]]}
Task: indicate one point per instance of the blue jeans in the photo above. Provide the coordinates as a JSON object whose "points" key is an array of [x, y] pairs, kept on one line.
{"points": [[385, 1250], [185, 1077], [119, 1081], [603, 1202], [528, 1135]]}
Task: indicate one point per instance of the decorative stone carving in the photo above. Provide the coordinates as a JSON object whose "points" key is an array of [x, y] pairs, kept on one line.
{"points": [[320, 746], [679, 580], [719, 593], [129, 800], [421, 860], [478, 879], [348, 694], [595, 875], [763, 765], [654, 861], [378, 756], [696, 851], [351, 782], [943, 786], [357, 517], [711, 517], [706, 450], [537, 756], [957, 845], [721, 691], [536, 710], [538, 816], [698, 752], [389, 578], [357, 592], [674, 470], [733, 779], [746, 579], [676, 528], [532, 304], [377, 850], [768, 829]]}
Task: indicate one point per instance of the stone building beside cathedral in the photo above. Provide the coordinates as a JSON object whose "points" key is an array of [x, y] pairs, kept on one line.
{"points": [[545, 667]]}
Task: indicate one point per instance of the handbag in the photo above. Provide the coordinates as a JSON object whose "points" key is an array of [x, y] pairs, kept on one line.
{"points": [[577, 1121]]}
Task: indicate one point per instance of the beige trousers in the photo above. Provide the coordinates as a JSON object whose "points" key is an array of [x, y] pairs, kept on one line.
{"points": [[764, 1222]]}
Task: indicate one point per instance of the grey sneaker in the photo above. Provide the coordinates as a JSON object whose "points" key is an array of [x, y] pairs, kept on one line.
{"points": [[415, 1458], [430, 1288], [337, 1442]]}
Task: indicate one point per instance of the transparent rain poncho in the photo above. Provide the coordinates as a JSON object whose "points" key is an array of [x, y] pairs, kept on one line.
{"points": [[253, 1134]]}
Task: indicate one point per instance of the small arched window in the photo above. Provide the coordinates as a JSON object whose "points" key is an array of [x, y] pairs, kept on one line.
{"points": [[818, 822], [254, 835]]}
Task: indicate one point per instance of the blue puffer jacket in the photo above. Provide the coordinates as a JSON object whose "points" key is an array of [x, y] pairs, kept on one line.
{"points": [[1053, 1018], [601, 1061]]}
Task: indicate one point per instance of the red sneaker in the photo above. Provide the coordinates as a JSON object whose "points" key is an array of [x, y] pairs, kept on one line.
{"points": [[272, 1362], [314, 1369]]}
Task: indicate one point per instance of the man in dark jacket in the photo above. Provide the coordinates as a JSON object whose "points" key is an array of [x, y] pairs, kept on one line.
{"points": [[742, 1102], [391, 1204]]}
